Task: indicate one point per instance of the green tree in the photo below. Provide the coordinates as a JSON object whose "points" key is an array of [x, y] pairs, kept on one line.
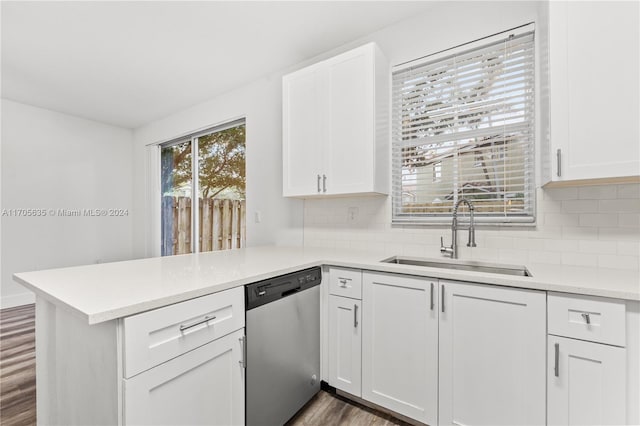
{"points": [[221, 164]]}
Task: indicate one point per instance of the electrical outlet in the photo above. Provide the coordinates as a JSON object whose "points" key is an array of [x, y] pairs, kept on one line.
{"points": [[352, 215], [258, 216]]}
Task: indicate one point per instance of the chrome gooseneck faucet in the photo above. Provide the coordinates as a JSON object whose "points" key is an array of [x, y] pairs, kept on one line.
{"points": [[452, 251]]}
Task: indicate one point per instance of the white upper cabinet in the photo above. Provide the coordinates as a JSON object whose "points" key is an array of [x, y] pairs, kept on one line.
{"points": [[302, 123], [335, 126], [594, 91]]}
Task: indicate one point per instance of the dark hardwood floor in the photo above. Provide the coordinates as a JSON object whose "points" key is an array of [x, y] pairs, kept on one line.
{"points": [[18, 383], [17, 366]]}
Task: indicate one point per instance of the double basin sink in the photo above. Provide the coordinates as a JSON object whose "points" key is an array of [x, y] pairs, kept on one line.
{"points": [[519, 271]]}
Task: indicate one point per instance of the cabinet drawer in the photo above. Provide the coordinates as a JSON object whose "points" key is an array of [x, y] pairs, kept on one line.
{"points": [[156, 336], [202, 387], [595, 319], [345, 282]]}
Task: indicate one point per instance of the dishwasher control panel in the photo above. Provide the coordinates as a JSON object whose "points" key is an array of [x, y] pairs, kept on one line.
{"points": [[266, 291]]}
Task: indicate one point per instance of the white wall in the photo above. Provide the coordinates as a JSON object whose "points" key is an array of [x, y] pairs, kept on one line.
{"points": [[56, 161], [261, 104]]}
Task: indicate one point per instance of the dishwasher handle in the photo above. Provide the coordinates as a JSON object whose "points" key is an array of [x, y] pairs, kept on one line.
{"points": [[291, 291]]}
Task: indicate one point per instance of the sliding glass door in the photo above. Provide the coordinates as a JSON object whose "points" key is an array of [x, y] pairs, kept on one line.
{"points": [[203, 196]]}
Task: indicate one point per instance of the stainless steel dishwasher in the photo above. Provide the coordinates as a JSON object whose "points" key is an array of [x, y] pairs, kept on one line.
{"points": [[283, 346]]}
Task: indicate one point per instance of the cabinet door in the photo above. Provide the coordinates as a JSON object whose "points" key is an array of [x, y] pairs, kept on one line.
{"points": [[492, 355], [202, 387], [400, 345], [349, 158], [303, 137], [594, 55], [345, 344], [587, 383]]}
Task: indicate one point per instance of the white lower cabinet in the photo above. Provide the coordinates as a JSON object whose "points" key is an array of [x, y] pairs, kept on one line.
{"points": [[492, 359], [400, 345], [202, 387], [345, 342], [587, 383], [588, 371]]}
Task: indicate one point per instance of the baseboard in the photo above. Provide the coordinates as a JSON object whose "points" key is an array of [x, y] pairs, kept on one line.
{"points": [[17, 300]]}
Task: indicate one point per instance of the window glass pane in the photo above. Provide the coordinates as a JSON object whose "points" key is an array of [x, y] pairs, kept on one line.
{"points": [[221, 180], [463, 128], [176, 181]]}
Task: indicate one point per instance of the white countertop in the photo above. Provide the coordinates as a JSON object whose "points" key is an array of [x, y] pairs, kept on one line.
{"points": [[108, 291]]}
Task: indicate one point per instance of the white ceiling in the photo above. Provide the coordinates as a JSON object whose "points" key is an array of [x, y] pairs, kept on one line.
{"points": [[129, 63]]}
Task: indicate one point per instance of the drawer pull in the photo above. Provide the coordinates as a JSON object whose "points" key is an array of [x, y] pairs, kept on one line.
{"points": [[587, 319], [343, 282], [556, 367], [202, 321], [442, 301]]}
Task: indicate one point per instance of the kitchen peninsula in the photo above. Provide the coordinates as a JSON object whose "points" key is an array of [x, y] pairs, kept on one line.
{"points": [[104, 332]]}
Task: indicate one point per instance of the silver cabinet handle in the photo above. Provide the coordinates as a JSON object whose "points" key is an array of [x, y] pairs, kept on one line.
{"points": [[343, 281], [432, 304], [587, 318], [318, 183], [355, 316], [324, 183], [243, 360], [559, 159], [442, 294], [202, 321], [556, 368]]}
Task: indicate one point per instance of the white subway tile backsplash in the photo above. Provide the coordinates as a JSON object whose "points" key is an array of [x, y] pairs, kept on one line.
{"points": [[618, 261], [579, 233], [580, 206], [618, 234], [598, 247], [595, 225], [513, 256], [599, 219], [579, 259], [598, 192], [546, 257], [561, 193], [561, 245], [630, 190], [629, 248], [561, 219], [528, 243], [499, 242], [629, 220], [629, 205]]}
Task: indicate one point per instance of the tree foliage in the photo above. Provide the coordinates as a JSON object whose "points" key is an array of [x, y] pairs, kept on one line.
{"points": [[221, 164]]}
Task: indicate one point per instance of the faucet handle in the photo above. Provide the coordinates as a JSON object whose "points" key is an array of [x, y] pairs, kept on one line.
{"points": [[447, 251]]}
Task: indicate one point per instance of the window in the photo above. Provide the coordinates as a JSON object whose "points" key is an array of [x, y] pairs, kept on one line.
{"points": [[463, 126], [209, 203]]}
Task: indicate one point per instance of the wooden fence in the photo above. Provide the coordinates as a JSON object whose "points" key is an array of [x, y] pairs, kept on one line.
{"points": [[222, 224]]}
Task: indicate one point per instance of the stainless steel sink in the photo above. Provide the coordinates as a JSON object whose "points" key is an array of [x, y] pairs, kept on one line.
{"points": [[515, 270]]}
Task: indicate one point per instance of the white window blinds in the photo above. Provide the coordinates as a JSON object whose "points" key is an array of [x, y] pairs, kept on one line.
{"points": [[463, 126]]}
